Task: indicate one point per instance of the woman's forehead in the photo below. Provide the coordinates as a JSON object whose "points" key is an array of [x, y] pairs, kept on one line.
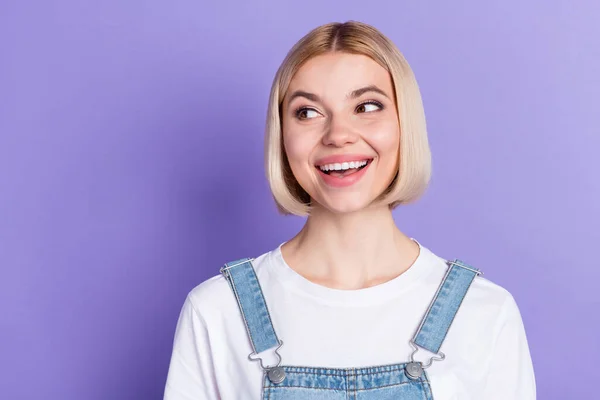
{"points": [[339, 74]]}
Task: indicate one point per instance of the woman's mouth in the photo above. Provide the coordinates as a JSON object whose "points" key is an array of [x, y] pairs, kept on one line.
{"points": [[344, 173], [343, 169]]}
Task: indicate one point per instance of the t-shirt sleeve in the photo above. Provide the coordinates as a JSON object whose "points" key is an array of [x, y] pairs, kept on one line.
{"points": [[511, 371], [191, 373]]}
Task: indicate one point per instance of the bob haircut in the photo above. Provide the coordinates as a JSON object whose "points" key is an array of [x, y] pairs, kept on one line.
{"points": [[414, 156]]}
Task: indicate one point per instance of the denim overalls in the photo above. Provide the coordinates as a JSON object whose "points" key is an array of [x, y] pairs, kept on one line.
{"points": [[406, 381]]}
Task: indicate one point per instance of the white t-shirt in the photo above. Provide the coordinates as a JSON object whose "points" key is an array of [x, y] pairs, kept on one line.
{"points": [[487, 356]]}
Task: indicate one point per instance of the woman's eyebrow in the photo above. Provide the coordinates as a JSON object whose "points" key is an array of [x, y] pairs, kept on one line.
{"points": [[371, 88], [301, 93], [353, 95]]}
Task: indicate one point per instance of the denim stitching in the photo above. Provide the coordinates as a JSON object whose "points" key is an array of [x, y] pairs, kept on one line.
{"points": [[386, 386], [376, 369], [426, 386], [264, 301], [348, 391], [458, 308], [306, 387], [443, 293], [237, 298], [347, 383], [254, 282], [266, 390], [437, 307], [355, 382], [437, 292]]}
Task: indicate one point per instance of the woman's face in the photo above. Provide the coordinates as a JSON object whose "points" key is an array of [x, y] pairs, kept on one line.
{"points": [[340, 130]]}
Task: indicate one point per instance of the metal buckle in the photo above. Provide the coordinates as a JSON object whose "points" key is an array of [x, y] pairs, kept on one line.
{"points": [[440, 356], [260, 359], [274, 372]]}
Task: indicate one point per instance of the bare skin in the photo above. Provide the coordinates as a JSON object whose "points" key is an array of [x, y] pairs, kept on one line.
{"points": [[347, 242]]}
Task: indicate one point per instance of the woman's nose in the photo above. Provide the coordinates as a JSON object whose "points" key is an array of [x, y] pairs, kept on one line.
{"points": [[339, 132]]}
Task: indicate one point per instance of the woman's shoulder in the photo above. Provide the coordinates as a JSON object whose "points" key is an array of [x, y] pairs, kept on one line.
{"points": [[492, 299], [214, 295], [488, 292], [484, 293], [487, 309]]}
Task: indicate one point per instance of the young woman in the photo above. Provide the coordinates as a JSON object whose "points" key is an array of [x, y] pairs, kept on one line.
{"points": [[351, 307]]}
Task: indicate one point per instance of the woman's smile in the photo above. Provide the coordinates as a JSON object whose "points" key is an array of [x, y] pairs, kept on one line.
{"points": [[342, 170]]}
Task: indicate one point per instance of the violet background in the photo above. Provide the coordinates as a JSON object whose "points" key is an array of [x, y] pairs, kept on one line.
{"points": [[131, 148]]}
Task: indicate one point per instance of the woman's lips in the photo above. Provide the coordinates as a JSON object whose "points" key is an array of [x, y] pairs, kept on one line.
{"points": [[342, 158], [344, 180]]}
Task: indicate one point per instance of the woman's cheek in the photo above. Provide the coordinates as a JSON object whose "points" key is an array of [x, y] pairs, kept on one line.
{"points": [[298, 150], [383, 136], [293, 147]]}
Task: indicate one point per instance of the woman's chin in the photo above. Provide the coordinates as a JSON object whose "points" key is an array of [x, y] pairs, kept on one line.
{"points": [[345, 205]]}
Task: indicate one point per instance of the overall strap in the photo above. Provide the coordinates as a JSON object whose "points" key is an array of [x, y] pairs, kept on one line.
{"points": [[243, 281], [441, 312]]}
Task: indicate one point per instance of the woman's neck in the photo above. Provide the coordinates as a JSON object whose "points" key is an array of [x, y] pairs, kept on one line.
{"points": [[351, 250]]}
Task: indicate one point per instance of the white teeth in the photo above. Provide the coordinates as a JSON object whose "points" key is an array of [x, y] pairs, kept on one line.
{"points": [[342, 166]]}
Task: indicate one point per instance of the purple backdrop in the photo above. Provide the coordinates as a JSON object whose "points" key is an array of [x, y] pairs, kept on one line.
{"points": [[131, 169]]}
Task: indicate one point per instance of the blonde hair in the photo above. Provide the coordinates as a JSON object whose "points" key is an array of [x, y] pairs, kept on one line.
{"points": [[414, 166]]}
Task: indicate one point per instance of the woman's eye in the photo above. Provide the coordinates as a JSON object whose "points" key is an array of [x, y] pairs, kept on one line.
{"points": [[369, 107], [306, 113]]}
